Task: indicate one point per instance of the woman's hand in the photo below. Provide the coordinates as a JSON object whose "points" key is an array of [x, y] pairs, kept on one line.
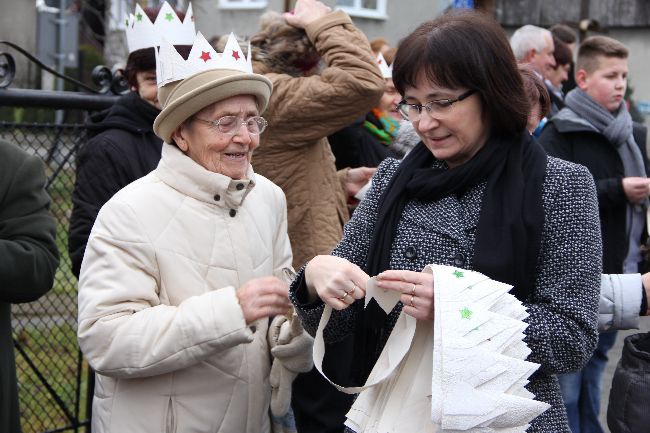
{"points": [[336, 281], [356, 178], [305, 12], [263, 297], [416, 290]]}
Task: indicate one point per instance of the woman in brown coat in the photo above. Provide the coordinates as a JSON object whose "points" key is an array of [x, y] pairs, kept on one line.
{"points": [[324, 77], [308, 105]]}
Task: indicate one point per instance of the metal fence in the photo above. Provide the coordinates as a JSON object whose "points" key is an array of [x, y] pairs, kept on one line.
{"points": [[54, 382], [52, 378]]}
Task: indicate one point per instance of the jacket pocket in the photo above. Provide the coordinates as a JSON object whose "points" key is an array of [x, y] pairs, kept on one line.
{"points": [[170, 417]]}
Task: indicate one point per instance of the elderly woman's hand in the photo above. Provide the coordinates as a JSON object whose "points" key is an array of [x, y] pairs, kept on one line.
{"points": [[305, 12], [416, 290], [335, 280], [263, 297]]}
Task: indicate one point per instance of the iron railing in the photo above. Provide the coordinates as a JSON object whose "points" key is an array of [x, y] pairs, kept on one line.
{"points": [[54, 383]]}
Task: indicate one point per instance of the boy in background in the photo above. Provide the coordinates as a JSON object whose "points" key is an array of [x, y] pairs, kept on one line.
{"points": [[596, 130]]}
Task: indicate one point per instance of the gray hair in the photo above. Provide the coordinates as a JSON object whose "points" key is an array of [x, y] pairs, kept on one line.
{"points": [[528, 38]]}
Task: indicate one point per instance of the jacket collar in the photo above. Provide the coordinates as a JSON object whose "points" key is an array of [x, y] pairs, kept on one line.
{"points": [[566, 120], [186, 176]]}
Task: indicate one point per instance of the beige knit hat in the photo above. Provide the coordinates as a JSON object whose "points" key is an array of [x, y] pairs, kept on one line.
{"points": [[187, 87]]}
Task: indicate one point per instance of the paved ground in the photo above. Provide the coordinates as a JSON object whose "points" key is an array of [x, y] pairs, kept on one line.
{"points": [[614, 356]]}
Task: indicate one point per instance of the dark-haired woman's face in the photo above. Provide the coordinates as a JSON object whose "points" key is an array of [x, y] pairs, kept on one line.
{"points": [[147, 87], [454, 135]]}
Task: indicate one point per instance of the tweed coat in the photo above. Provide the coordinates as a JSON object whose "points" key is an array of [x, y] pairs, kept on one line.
{"points": [[563, 307], [294, 152], [28, 258]]}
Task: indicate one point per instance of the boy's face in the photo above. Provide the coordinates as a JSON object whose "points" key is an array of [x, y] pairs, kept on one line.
{"points": [[606, 85]]}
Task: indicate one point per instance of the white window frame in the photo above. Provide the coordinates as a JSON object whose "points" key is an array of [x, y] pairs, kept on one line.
{"points": [[379, 13], [120, 9], [242, 4]]}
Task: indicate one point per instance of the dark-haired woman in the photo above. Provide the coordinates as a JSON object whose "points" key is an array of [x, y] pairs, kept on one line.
{"points": [[123, 147], [474, 194]]}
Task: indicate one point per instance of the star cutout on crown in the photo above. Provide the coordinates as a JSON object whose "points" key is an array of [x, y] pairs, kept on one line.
{"points": [[192, 18], [458, 274], [379, 61], [138, 17], [127, 22], [466, 313], [169, 17], [205, 56], [235, 54]]}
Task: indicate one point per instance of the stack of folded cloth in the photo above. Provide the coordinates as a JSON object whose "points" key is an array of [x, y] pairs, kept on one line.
{"points": [[479, 367]]}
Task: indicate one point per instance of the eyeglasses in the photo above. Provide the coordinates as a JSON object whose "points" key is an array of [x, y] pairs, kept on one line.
{"points": [[412, 112], [230, 124]]}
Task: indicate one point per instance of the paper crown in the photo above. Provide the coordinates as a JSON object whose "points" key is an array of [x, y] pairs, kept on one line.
{"points": [[386, 71], [142, 33], [171, 67]]}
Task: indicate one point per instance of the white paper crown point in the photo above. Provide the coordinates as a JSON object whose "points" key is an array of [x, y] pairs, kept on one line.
{"points": [[172, 67], [386, 71], [142, 33], [169, 64], [188, 25]]}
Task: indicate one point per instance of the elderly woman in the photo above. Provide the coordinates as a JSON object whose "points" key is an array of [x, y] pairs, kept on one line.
{"points": [[474, 194], [180, 276]]}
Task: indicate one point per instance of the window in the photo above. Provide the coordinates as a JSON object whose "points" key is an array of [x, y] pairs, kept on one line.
{"points": [[364, 8], [120, 9], [242, 4]]}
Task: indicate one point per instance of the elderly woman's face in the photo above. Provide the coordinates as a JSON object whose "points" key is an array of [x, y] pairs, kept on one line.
{"points": [[227, 154], [456, 133]]}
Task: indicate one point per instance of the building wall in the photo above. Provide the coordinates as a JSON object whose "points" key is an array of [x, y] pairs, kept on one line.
{"points": [[214, 21], [636, 40], [211, 20], [14, 30], [403, 18]]}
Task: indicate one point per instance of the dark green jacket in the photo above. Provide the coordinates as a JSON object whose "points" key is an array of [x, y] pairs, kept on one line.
{"points": [[28, 258]]}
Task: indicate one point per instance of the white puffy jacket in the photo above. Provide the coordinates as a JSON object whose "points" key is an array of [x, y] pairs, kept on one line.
{"points": [[159, 320], [620, 302]]}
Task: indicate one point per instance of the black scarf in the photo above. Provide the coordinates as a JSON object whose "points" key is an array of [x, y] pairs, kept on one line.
{"points": [[508, 237]]}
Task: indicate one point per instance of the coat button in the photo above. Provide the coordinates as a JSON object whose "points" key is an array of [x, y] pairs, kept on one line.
{"points": [[217, 197], [240, 186], [233, 212], [410, 253], [459, 260]]}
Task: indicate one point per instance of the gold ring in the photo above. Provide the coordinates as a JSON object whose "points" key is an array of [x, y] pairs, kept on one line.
{"points": [[411, 303], [342, 298], [351, 291], [413, 290]]}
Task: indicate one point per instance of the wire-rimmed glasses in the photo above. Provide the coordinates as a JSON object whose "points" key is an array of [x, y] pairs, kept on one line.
{"points": [[413, 112], [255, 125]]}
